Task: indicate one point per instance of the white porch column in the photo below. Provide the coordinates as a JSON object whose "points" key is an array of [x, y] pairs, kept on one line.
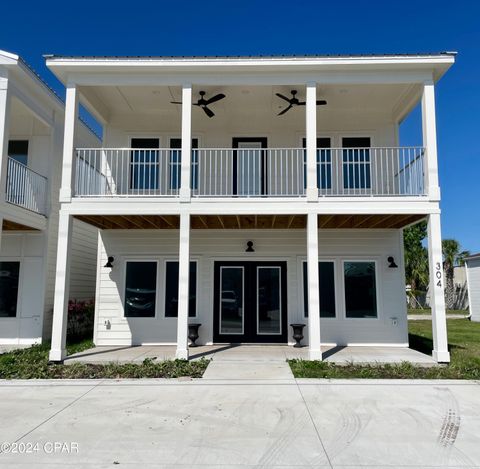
{"points": [[436, 289], [62, 285], [311, 134], [183, 282], [4, 135], [5, 98], [315, 351], [429, 131], [71, 115], [185, 191]]}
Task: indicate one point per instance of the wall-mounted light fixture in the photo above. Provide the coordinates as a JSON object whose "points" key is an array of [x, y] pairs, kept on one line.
{"points": [[249, 247], [391, 263], [109, 262]]}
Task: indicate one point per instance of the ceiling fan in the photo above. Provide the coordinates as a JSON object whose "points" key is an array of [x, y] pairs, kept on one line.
{"points": [[203, 103], [293, 101]]}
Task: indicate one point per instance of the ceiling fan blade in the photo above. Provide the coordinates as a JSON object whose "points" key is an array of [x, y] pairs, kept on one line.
{"points": [[208, 112], [301, 103], [283, 97], [215, 98], [175, 102], [321, 103], [285, 110]]}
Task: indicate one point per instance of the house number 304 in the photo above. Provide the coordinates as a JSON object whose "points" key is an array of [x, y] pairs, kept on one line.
{"points": [[438, 274]]}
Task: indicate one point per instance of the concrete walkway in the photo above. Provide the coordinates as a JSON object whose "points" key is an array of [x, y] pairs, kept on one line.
{"points": [[259, 357], [200, 424]]}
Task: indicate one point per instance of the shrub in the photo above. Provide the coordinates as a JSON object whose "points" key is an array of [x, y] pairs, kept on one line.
{"points": [[81, 315]]}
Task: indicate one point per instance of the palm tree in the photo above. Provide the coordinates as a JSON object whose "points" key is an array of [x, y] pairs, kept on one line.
{"points": [[452, 256]]}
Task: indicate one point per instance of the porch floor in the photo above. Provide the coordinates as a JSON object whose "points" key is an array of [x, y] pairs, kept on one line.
{"points": [[251, 353]]}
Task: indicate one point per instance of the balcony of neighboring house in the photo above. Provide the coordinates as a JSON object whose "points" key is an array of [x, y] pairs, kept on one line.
{"points": [[25, 187], [249, 171]]}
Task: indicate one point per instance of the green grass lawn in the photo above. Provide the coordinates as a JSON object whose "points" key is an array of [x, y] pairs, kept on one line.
{"points": [[464, 345], [32, 363], [427, 311]]}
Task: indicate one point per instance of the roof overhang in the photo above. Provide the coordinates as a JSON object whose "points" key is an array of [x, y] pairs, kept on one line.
{"points": [[73, 68]]}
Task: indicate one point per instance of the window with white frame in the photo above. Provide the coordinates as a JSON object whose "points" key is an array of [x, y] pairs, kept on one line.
{"points": [[360, 287], [171, 289], [326, 273], [140, 289]]}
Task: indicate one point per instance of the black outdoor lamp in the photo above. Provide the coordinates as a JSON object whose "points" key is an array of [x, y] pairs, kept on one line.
{"points": [[109, 262], [392, 264], [249, 247]]}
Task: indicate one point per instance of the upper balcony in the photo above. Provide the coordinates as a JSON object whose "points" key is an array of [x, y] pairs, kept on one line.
{"points": [[254, 130], [249, 172]]}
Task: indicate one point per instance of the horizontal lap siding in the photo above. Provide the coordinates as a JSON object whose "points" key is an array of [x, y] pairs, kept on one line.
{"points": [[288, 245], [473, 273]]}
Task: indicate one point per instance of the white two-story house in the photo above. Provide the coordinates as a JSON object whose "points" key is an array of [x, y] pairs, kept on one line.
{"points": [[31, 144], [246, 194]]}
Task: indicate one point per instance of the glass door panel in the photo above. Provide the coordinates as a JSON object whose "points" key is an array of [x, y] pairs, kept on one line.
{"points": [[269, 304], [231, 300]]}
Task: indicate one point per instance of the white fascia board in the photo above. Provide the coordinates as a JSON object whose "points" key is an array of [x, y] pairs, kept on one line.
{"points": [[7, 58], [64, 68]]}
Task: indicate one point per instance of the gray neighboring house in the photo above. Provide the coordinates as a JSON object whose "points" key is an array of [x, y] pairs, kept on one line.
{"points": [[473, 281]]}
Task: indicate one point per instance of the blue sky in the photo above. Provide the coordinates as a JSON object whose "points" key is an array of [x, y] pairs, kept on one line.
{"points": [[285, 27]]}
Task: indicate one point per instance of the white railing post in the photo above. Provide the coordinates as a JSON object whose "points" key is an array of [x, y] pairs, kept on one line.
{"points": [[71, 114], [436, 289], [185, 191], [183, 286], [5, 99], [311, 133], [429, 131], [62, 287], [315, 352]]}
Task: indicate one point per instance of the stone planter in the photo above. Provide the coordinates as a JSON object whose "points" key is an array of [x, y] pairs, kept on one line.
{"points": [[193, 333], [297, 333]]}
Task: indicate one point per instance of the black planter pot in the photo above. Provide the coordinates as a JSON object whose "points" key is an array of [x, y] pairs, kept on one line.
{"points": [[297, 333], [193, 333]]}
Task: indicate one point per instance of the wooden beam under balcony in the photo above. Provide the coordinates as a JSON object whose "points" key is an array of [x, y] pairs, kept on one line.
{"points": [[8, 225], [244, 222]]}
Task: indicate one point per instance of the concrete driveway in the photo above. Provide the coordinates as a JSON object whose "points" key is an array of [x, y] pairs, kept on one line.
{"points": [[240, 424]]}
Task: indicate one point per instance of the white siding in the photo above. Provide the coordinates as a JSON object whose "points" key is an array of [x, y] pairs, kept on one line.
{"points": [[112, 328], [26, 327], [473, 278]]}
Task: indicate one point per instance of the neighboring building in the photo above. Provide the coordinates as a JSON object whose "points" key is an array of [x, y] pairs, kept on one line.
{"points": [[31, 144], [473, 281], [288, 209]]}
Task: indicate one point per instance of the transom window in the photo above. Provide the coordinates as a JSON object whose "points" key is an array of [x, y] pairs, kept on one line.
{"points": [[171, 289], [360, 289], [326, 272], [9, 280]]}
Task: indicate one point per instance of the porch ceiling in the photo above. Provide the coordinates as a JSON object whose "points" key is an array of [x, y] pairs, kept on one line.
{"points": [[244, 222], [120, 101]]}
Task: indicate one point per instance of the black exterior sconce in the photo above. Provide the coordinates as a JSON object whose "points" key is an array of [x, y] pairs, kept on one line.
{"points": [[109, 262], [249, 247], [391, 263]]}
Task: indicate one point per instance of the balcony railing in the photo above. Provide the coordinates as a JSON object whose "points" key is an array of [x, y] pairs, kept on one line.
{"points": [[25, 187], [252, 172]]}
